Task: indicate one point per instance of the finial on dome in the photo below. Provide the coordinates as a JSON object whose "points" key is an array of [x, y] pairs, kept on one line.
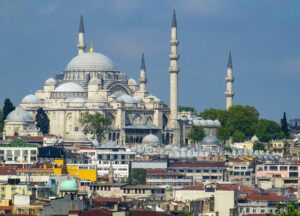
{"points": [[91, 48]]}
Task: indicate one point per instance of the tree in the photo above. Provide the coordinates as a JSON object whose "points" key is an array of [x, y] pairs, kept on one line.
{"points": [[187, 109], [259, 146], [196, 133], [95, 124], [137, 176], [238, 136], [284, 126], [1, 121], [42, 121], [7, 108], [267, 130], [214, 114], [289, 210]]}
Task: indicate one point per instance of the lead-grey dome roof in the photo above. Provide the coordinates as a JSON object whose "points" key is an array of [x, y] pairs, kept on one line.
{"points": [[151, 139], [210, 140], [91, 61], [19, 115], [50, 82], [69, 87], [30, 99]]}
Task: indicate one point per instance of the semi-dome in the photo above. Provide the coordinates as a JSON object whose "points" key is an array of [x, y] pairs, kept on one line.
{"points": [[127, 99], [132, 82], [94, 81], [69, 87], [138, 99], [91, 61], [210, 140], [30, 99], [50, 82], [19, 115], [151, 139], [68, 185]]}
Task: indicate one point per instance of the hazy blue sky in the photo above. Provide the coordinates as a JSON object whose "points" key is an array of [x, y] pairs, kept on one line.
{"points": [[38, 39]]}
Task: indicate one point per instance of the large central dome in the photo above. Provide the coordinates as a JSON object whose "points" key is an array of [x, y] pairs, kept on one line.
{"points": [[91, 61]]}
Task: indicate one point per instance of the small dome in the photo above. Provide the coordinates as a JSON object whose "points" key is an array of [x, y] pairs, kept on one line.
{"points": [[138, 99], [94, 81], [69, 87], [210, 140], [154, 98], [132, 82], [19, 115], [50, 82], [30, 99], [91, 61], [127, 99], [75, 100], [98, 99], [151, 139], [68, 185]]}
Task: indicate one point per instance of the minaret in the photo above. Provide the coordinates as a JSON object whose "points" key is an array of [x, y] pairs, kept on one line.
{"points": [[174, 70], [229, 83], [143, 76], [81, 41]]}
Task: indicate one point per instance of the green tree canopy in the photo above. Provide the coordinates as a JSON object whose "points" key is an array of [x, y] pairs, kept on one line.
{"points": [[186, 108], [267, 130], [137, 176], [214, 114], [196, 133], [42, 121], [7, 108], [95, 124], [1, 121], [259, 146], [289, 210]]}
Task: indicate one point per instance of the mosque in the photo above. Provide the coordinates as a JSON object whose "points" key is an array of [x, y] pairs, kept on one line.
{"points": [[92, 82]]}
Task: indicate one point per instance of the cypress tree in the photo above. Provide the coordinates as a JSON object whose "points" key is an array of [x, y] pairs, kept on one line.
{"points": [[284, 125], [42, 121], [7, 108]]}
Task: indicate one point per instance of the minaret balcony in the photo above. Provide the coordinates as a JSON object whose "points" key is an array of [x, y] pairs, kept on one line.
{"points": [[229, 94], [174, 56], [174, 42], [229, 79]]}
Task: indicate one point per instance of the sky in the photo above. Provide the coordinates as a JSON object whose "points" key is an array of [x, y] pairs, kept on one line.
{"points": [[38, 39]]}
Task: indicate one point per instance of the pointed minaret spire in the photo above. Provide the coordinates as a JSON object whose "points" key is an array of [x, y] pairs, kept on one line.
{"points": [[229, 64], [81, 25], [229, 83], [143, 78], [174, 22], [81, 46], [143, 66]]}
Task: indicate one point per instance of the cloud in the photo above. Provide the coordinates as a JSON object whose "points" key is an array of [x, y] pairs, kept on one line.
{"points": [[205, 7], [47, 10]]}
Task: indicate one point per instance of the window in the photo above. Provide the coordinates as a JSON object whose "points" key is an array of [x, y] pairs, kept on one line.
{"points": [[283, 168], [273, 168], [293, 167], [32, 151]]}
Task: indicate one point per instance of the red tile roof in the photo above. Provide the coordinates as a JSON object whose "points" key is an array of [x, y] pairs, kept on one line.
{"points": [[8, 170], [267, 197], [193, 187], [96, 212], [146, 212]]}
